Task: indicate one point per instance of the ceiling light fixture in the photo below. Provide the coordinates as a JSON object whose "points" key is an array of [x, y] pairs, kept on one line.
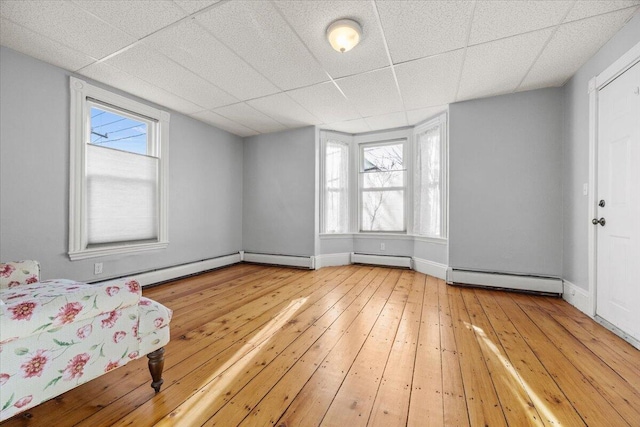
{"points": [[344, 34]]}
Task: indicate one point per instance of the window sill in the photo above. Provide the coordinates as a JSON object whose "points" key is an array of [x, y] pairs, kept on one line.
{"points": [[374, 235], [115, 250]]}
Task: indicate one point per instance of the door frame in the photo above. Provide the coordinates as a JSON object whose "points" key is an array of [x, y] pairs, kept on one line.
{"points": [[622, 64]]}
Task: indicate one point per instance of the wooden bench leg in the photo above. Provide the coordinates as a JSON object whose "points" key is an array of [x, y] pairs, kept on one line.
{"points": [[156, 365]]}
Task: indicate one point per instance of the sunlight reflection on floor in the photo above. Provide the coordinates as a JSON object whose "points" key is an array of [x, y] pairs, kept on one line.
{"points": [[196, 405], [516, 379]]}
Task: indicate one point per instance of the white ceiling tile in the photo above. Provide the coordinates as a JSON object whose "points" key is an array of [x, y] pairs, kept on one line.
{"points": [[285, 110], [194, 48], [158, 70], [192, 6], [571, 46], [257, 32], [387, 121], [67, 24], [250, 117], [494, 20], [310, 20], [138, 18], [223, 123], [588, 8], [325, 102], [114, 77], [349, 126], [498, 67], [372, 93], [415, 29], [422, 114], [430, 81], [33, 44]]}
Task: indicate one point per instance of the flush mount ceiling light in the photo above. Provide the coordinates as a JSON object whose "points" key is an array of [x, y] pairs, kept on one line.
{"points": [[344, 34]]}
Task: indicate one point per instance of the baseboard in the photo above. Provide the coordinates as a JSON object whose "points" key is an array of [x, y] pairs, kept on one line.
{"points": [[619, 332], [170, 273], [332, 260], [287, 260], [549, 285], [386, 260], [577, 297], [431, 268]]}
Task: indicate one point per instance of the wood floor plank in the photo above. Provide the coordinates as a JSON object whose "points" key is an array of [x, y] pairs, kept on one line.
{"points": [[619, 392], [354, 400], [593, 409], [550, 402], [226, 374], [391, 406], [425, 406], [218, 336], [621, 356], [321, 382], [262, 345], [334, 349], [482, 401], [453, 393], [514, 398]]}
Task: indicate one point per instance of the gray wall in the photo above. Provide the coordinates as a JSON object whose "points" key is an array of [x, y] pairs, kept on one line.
{"points": [[505, 193], [576, 152], [205, 187], [280, 193]]}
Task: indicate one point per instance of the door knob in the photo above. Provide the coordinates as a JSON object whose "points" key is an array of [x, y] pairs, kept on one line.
{"points": [[596, 221]]}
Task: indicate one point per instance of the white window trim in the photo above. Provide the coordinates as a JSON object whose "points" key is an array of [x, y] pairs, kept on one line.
{"points": [[346, 139], [356, 203], [442, 121], [79, 91]]}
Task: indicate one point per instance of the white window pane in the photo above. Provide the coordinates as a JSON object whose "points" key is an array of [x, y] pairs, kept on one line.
{"points": [[383, 179], [121, 196], [336, 193], [428, 193], [383, 210], [383, 158], [112, 130]]}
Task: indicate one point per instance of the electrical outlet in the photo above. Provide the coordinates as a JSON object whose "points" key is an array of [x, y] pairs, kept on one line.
{"points": [[382, 247], [97, 268]]}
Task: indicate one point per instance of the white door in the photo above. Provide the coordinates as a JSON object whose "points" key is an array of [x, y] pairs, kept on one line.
{"points": [[618, 235]]}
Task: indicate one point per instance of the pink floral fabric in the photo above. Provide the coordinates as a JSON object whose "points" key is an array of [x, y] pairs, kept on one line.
{"points": [[59, 334], [13, 274], [43, 306]]}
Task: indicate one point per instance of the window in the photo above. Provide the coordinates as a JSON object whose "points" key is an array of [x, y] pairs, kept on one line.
{"points": [[382, 186], [336, 186], [118, 174], [429, 192]]}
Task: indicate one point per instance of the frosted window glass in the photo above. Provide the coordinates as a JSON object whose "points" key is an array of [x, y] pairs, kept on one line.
{"points": [[122, 192], [336, 197], [428, 192]]}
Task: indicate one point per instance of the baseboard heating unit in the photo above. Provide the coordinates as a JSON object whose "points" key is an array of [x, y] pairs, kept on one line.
{"points": [[171, 273], [286, 260], [547, 285], [386, 260]]}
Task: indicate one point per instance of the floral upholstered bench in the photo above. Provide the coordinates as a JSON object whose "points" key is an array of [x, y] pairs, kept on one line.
{"points": [[58, 334]]}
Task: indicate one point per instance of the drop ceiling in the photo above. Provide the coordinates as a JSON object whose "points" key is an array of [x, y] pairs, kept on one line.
{"points": [[253, 67]]}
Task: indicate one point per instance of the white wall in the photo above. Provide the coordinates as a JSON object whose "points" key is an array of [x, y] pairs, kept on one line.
{"points": [[576, 152], [505, 196], [279, 215], [205, 180]]}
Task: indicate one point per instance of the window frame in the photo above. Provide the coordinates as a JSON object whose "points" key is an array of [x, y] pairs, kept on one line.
{"points": [[382, 138], [325, 137], [361, 189], [82, 94], [440, 121]]}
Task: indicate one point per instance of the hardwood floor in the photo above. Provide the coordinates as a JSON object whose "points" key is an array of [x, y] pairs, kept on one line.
{"points": [[357, 345]]}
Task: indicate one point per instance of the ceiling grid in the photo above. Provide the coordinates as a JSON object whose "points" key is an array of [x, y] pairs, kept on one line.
{"points": [[260, 66]]}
